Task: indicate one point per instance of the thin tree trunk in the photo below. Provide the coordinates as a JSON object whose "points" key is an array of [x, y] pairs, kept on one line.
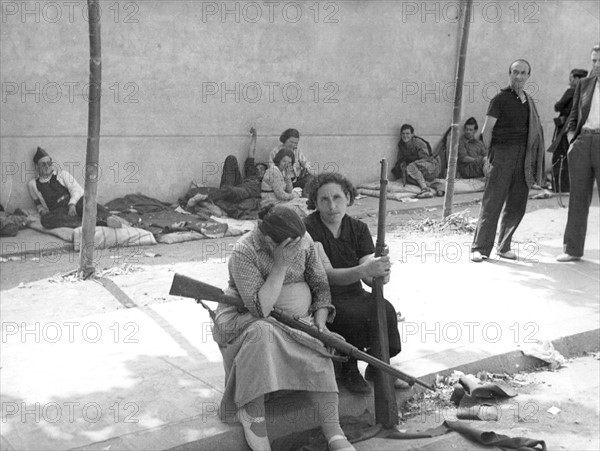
{"points": [[86, 253], [456, 114]]}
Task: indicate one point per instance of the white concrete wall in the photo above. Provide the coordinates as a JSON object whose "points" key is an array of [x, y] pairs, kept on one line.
{"points": [[374, 65]]}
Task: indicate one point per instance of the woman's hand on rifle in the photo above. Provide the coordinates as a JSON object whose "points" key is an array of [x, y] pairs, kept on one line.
{"points": [[375, 267], [320, 317]]}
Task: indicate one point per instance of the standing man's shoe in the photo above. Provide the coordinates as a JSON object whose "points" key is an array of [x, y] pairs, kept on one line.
{"points": [[476, 257], [509, 255], [567, 258]]}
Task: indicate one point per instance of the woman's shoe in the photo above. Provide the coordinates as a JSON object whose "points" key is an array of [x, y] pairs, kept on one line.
{"points": [[339, 443]]}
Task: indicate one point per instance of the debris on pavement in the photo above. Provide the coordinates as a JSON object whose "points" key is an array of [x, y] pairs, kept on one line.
{"points": [[124, 269], [554, 410], [595, 355], [424, 403], [459, 222], [70, 276], [543, 195], [492, 387], [544, 350]]}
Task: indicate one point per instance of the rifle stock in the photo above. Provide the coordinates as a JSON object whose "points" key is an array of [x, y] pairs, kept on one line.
{"points": [[191, 288]]}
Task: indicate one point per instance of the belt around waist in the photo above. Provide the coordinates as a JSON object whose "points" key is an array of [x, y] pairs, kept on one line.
{"points": [[590, 131], [266, 191]]}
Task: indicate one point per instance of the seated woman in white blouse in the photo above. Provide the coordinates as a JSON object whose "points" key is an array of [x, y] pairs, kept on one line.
{"points": [[300, 170], [277, 187]]}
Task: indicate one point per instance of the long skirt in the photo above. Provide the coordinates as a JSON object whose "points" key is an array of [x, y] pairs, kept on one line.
{"points": [[261, 355]]}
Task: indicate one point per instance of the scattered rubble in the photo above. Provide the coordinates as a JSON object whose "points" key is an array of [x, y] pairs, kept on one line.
{"points": [[427, 403], [121, 270], [456, 223]]}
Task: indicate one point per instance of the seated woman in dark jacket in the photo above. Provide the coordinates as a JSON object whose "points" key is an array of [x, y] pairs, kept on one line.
{"points": [[347, 251]]}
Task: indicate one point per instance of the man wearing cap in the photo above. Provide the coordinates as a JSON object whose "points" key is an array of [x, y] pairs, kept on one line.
{"points": [[59, 198], [583, 133], [513, 134]]}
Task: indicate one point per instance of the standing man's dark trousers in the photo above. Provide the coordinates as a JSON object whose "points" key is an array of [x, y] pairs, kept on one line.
{"points": [[506, 184], [584, 168]]}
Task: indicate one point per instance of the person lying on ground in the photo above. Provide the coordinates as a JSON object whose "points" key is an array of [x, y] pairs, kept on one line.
{"points": [[415, 162], [472, 156], [11, 223], [59, 198], [248, 188], [346, 248], [300, 172], [277, 186], [276, 265], [233, 188]]}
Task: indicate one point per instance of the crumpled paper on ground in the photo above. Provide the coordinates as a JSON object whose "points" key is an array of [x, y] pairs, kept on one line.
{"points": [[544, 350]]}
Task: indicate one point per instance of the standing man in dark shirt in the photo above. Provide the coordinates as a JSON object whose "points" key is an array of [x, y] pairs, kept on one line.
{"points": [[513, 134], [583, 131]]}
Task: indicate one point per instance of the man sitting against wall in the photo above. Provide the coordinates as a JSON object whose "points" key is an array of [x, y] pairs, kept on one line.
{"points": [[472, 156], [59, 198], [415, 162]]}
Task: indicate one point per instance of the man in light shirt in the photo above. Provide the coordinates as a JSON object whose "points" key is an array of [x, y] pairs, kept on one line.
{"points": [[584, 155], [58, 197]]}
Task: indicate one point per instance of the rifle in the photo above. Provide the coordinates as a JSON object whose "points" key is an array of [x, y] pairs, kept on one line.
{"points": [[386, 409], [191, 288]]}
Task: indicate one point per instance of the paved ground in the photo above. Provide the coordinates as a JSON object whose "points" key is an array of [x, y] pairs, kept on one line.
{"points": [[573, 390], [81, 370]]}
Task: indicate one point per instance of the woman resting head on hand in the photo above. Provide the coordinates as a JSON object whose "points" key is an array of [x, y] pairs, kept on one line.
{"points": [[276, 265]]}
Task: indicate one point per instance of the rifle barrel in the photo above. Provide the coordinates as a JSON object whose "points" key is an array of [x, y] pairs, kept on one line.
{"points": [[195, 289]]}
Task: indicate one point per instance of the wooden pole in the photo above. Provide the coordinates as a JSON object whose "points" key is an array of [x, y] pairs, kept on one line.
{"points": [[456, 114], [386, 409], [86, 253]]}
